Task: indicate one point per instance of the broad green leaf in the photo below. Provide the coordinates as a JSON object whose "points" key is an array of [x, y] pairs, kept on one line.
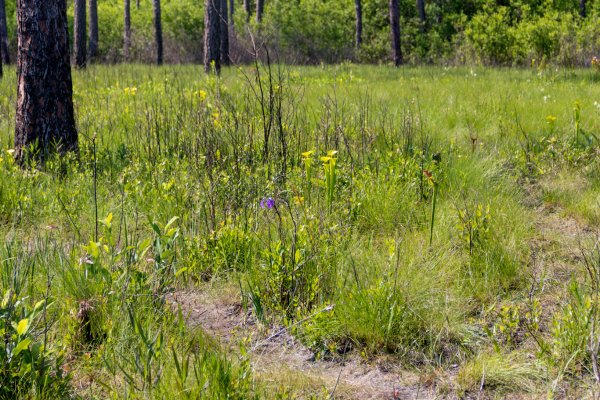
{"points": [[23, 344]]}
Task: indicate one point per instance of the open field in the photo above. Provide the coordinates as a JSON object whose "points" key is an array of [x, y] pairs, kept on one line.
{"points": [[325, 232]]}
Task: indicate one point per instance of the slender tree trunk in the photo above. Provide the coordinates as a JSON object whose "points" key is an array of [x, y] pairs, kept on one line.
{"points": [[582, 8], [44, 115], [247, 10], [137, 4], [79, 40], [3, 34], [158, 32], [1, 72], [359, 22], [127, 30], [93, 44], [231, 12], [395, 31], [212, 37], [422, 15], [260, 7], [224, 33]]}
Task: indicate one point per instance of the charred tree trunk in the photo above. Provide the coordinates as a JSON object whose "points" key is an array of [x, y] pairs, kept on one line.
{"points": [[127, 30], [247, 10], [1, 72], [3, 34], [395, 31], [582, 8], [158, 32], [359, 22], [44, 115], [224, 33], [79, 40], [93, 43], [422, 15], [212, 36], [260, 7]]}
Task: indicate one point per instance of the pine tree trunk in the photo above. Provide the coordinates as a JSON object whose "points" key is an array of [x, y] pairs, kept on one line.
{"points": [[79, 40], [422, 15], [582, 8], [93, 44], [247, 10], [127, 30], [158, 32], [359, 23], [224, 33], [212, 39], [3, 34], [395, 31], [260, 6], [44, 114], [231, 20], [1, 72]]}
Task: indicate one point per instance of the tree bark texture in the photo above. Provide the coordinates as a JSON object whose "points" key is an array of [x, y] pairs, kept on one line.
{"points": [[212, 36], [247, 10], [224, 33], [421, 11], [127, 29], [158, 32], [260, 7], [395, 32], [44, 114], [3, 34], [359, 23], [93, 43], [79, 40]]}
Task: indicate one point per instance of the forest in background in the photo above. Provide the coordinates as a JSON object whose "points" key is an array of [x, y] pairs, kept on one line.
{"points": [[449, 32]]}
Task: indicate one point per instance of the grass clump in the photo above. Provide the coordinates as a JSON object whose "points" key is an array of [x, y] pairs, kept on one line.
{"points": [[500, 373]]}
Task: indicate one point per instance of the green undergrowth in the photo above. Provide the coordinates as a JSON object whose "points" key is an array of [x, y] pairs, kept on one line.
{"points": [[374, 211]]}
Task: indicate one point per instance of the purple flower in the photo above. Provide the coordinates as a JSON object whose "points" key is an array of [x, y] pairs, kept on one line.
{"points": [[267, 202]]}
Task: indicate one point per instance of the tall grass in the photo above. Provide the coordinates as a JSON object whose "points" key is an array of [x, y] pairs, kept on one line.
{"points": [[355, 239]]}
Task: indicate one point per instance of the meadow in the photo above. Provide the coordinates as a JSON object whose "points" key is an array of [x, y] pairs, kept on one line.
{"points": [[435, 224]]}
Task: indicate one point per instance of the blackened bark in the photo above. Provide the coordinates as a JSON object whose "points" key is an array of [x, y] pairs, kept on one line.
{"points": [[359, 23], [395, 31], [93, 43], [422, 15], [158, 32], [127, 30], [247, 10], [582, 8], [212, 36], [3, 34], [224, 33], [1, 72], [44, 115], [260, 7], [79, 40]]}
